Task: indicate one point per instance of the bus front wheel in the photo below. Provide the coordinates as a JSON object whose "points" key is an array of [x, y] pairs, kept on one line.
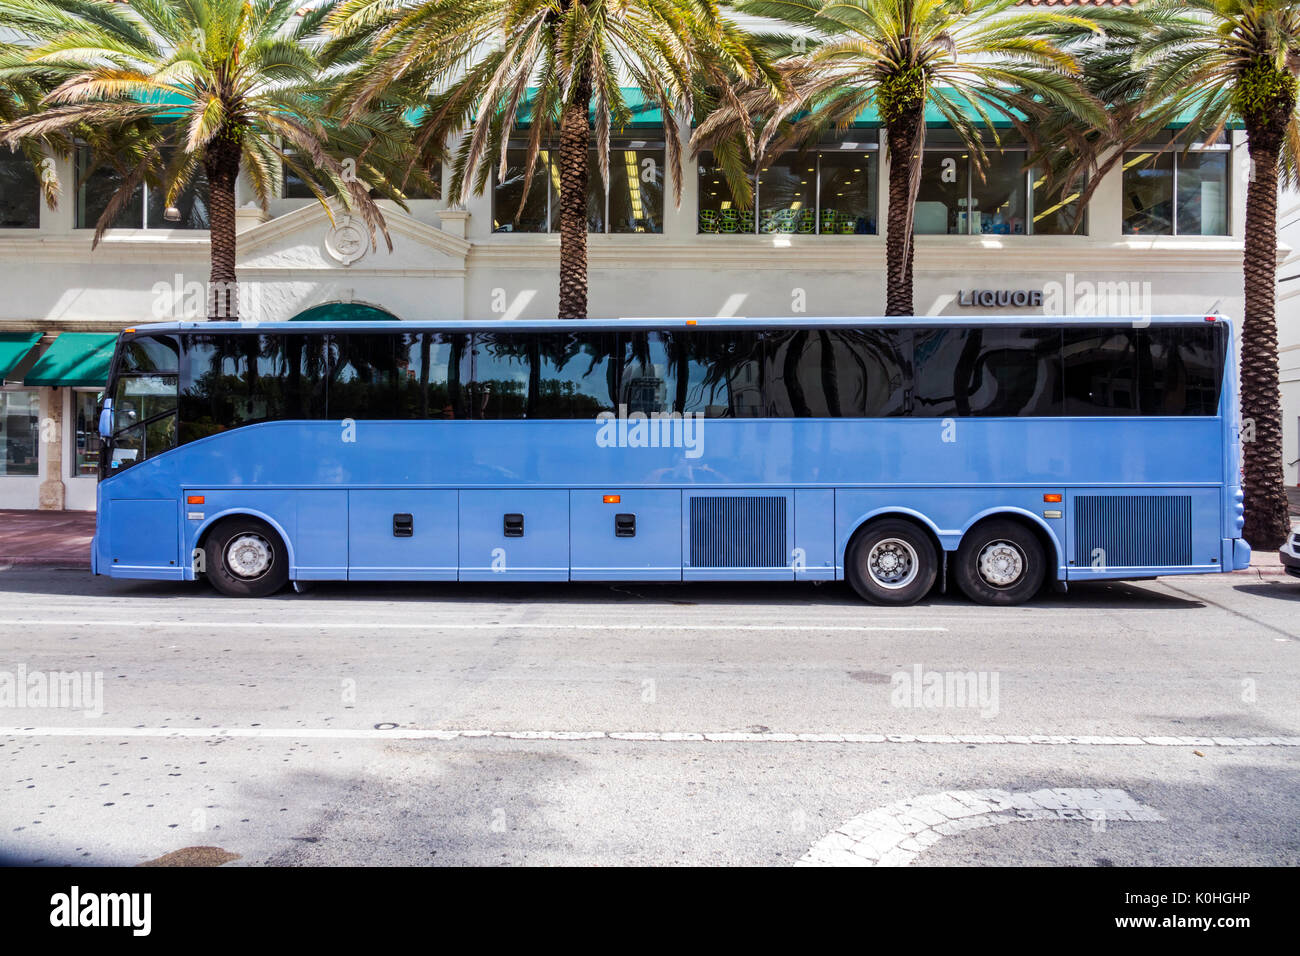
{"points": [[891, 561], [1000, 562], [245, 558]]}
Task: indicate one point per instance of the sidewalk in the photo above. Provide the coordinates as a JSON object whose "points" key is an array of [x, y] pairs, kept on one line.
{"points": [[62, 539], [58, 539]]}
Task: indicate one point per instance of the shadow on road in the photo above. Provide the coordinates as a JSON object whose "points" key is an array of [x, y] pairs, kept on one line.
{"points": [[1097, 595], [1288, 590]]}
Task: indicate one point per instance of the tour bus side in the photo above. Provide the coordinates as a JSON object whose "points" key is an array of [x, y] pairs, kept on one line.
{"points": [[1017, 453]]}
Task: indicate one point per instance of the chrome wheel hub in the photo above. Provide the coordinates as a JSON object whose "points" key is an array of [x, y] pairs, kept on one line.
{"points": [[893, 563], [249, 556], [1001, 564]]}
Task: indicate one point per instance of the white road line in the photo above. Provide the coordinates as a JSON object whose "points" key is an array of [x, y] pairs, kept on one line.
{"points": [[447, 626], [896, 834], [653, 736]]}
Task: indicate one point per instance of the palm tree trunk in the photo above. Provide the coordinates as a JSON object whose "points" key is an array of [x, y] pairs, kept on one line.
{"points": [[1267, 519], [575, 136], [222, 166], [901, 138]]}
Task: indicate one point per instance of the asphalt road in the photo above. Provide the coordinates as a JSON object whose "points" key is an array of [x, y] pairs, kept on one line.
{"points": [[650, 724]]}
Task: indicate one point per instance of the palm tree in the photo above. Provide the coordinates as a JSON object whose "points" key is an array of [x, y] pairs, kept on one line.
{"points": [[488, 66], [1210, 62], [19, 96], [968, 62], [217, 85]]}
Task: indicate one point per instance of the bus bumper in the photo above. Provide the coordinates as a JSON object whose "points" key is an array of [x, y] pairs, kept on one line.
{"points": [[1239, 557]]}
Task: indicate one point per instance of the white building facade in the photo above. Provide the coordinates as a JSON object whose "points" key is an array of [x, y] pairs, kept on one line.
{"points": [[1163, 234]]}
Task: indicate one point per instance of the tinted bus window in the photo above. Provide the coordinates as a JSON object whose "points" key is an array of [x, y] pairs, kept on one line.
{"points": [[238, 379], [501, 364], [988, 372], [150, 354], [1180, 370], [432, 368], [723, 371], [818, 373], [364, 380], [648, 381], [1101, 371], [576, 375]]}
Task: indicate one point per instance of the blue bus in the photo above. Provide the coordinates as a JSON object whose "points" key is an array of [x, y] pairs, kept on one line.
{"points": [[1003, 454]]}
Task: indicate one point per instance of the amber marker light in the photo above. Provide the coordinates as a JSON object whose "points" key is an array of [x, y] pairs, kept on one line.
{"points": [[612, 499], [194, 499], [1051, 497]]}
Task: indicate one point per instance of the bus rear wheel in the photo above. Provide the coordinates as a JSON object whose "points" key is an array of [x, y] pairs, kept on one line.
{"points": [[891, 561], [245, 558], [1000, 562]]}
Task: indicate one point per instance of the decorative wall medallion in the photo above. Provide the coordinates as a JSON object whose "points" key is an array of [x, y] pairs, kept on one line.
{"points": [[346, 241]]}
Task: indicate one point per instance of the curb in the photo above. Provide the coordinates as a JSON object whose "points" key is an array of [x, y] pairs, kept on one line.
{"points": [[1265, 571]]}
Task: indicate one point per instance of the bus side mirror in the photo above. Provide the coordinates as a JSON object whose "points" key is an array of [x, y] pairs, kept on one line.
{"points": [[106, 419]]}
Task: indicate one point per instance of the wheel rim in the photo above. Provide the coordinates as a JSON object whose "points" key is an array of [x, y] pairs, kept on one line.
{"points": [[249, 556], [893, 563], [1001, 564]]}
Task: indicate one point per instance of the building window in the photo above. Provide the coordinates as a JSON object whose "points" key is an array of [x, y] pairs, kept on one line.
{"points": [[540, 210], [1175, 192], [1054, 214], [20, 192], [634, 201], [827, 190], [20, 413], [1007, 200], [146, 208], [293, 187], [85, 434]]}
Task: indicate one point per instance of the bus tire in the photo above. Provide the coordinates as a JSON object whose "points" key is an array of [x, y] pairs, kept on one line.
{"points": [[1000, 562], [891, 561], [245, 557]]}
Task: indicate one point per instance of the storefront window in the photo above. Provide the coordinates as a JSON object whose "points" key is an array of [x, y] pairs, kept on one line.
{"points": [[543, 194], [636, 189], [1054, 213], [20, 412], [943, 198], [997, 204], [146, 208], [786, 195], [1202, 208], [20, 192], [1007, 200], [821, 191], [718, 210], [1176, 193], [634, 201], [85, 432], [846, 201]]}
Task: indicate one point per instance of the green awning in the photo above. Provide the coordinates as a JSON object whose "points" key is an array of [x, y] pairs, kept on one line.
{"points": [[75, 358], [14, 347]]}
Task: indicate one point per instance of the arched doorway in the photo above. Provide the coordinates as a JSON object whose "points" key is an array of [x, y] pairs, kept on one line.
{"points": [[344, 312]]}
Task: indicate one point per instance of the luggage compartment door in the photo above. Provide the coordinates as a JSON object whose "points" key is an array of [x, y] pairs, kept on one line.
{"points": [[402, 535], [514, 535]]}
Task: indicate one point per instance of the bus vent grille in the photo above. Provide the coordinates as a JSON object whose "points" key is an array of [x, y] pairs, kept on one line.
{"points": [[738, 531], [1132, 531]]}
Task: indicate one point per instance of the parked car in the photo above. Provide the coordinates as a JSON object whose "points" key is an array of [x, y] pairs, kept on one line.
{"points": [[1290, 554]]}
